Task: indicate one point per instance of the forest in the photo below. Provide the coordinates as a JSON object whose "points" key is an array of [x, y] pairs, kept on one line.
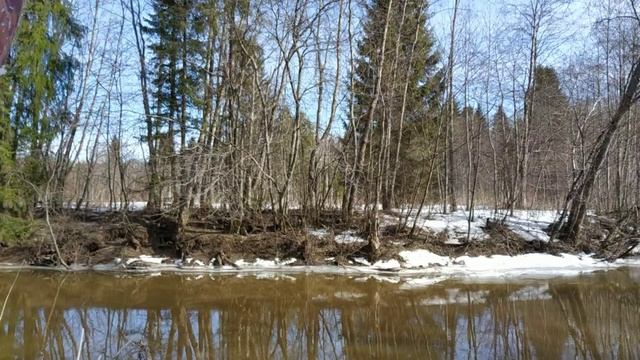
{"points": [[204, 119]]}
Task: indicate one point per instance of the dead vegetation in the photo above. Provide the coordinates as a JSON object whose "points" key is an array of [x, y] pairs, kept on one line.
{"points": [[89, 238]]}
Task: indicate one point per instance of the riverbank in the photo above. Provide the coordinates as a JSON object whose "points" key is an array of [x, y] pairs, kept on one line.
{"points": [[493, 244]]}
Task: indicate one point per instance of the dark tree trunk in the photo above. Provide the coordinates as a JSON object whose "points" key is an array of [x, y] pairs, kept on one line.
{"points": [[9, 18]]}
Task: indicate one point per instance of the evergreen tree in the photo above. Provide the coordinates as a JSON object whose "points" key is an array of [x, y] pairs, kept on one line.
{"points": [[411, 83], [177, 30], [549, 107], [39, 76], [550, 140]]}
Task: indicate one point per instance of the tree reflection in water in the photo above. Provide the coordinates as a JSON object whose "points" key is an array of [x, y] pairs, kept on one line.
{"points": [[51, 316]]}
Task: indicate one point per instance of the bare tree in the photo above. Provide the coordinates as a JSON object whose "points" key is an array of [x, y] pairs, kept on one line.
{"points": [[582, 187]]}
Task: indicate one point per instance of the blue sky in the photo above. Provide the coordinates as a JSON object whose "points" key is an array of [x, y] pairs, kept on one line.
{"points": [[477, 19]]}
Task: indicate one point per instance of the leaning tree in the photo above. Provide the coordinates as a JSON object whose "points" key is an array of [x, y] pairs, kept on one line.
{"points": [[578, 197]]}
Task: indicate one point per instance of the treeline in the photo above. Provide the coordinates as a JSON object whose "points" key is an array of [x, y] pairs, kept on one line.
{"points": [[320, 105]]}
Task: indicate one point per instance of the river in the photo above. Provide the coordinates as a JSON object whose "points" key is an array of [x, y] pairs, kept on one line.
{"points": [[53, 315]]}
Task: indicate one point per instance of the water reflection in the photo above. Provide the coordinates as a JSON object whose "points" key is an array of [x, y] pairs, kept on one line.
{"points": [[51, 316]]}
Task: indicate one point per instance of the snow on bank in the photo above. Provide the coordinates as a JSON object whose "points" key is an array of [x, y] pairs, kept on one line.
{"points": [[349, 237], [529, 224], [425, 267], [346, 237], [503, 265]]}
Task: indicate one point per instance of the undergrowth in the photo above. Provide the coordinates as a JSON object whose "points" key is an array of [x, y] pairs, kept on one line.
{"points": [[14, 231]]}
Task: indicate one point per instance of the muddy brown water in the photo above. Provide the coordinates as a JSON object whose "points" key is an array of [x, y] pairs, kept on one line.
{"points": [[50, 315]]}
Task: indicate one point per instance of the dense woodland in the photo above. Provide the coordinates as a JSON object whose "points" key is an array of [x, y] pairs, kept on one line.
{"points": [[350, 106]]}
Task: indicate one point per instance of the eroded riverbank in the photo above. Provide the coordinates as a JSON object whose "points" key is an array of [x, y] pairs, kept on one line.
{"points": [[444, 245]]}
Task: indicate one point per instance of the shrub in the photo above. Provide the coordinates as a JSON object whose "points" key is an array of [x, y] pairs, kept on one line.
{"points": [[13, 230]]}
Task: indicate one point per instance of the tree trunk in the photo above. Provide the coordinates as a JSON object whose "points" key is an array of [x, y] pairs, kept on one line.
{"points": [[10, 11], [584, 185], [450, 179], [374, 242], [154, 179]]}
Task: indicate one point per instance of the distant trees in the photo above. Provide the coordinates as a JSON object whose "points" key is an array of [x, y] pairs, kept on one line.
{"points": [[550, 140]]}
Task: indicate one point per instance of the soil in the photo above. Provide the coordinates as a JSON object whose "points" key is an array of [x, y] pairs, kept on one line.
{"points": [[90, 238]]}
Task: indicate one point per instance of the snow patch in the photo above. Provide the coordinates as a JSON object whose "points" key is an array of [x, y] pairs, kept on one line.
{"points": [[387, 265], [145, 259], [361, 261], [349, 237], [529, 263], [319, 233], [346, 237], [423, 259], [262, 263], [531, 225]]}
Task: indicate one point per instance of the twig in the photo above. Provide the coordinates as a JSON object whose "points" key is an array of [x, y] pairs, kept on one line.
{"points": [[80, 345], [46, 212], [53, 236], [53, 306], [6, 299]]}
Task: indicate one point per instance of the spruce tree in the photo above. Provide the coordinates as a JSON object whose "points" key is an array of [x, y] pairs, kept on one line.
{"points": [[411, 82], [177, 32], [39, 76]]}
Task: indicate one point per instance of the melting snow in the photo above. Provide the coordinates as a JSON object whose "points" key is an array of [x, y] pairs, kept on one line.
{"points": [[387, 265], [423, 259], [346, 237], [529, 224], [261, 263], [349, 237], [503, 265], [318, 232], [146, 259]]}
